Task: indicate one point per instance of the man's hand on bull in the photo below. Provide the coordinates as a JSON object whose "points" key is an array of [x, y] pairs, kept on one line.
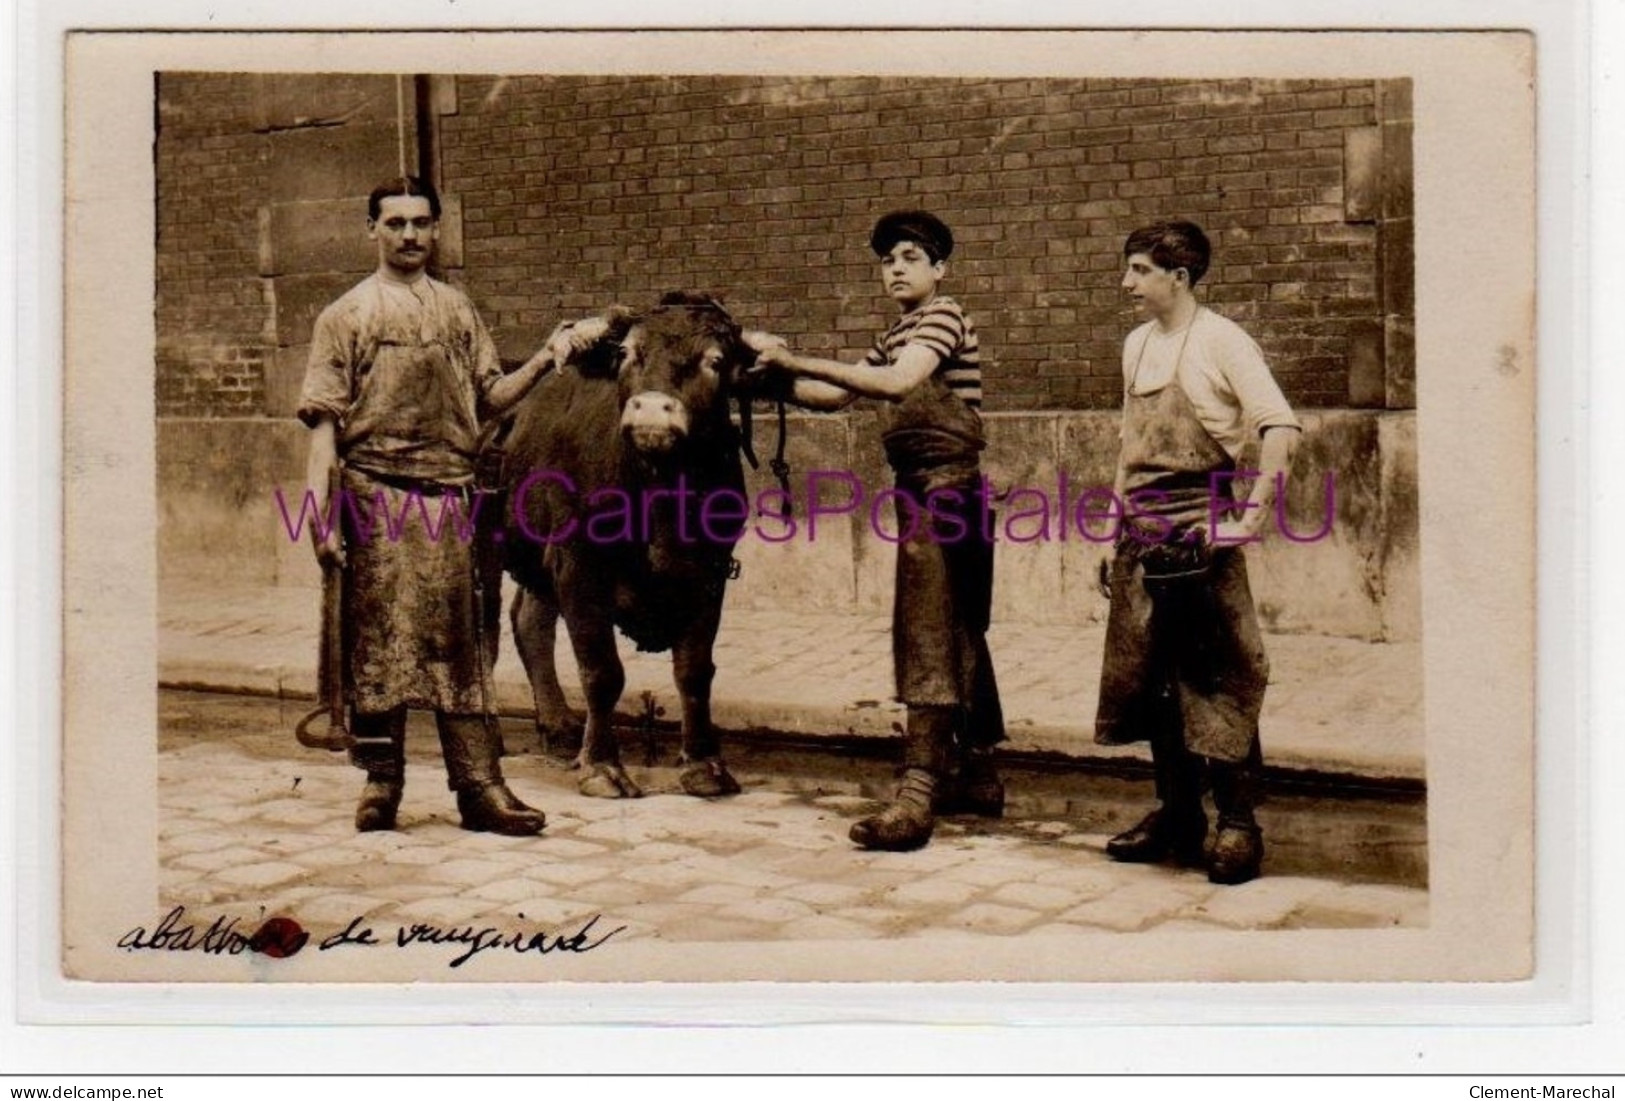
{"points": [[781, 374], [772, 354], [571, 338], [773, 374]]}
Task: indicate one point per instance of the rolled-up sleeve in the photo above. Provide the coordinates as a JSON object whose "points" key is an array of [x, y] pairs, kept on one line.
{"points": [[1262, 403], [328, 371], [486, 364]]}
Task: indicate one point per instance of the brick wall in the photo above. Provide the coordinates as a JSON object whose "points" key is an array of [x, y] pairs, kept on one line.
{"points": [[563, 194], [211, 303], [577, 191]]}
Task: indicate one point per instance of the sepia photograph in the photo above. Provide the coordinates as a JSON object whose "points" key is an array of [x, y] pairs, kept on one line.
{"points": [[592, 512]]}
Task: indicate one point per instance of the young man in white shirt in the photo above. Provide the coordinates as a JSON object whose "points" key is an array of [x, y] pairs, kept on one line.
{"points": [[1184, 664]]}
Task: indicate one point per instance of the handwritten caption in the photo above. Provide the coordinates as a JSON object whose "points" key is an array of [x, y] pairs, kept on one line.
{"points": [[282, 937]]}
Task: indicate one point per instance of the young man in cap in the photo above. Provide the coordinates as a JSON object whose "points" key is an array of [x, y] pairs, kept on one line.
{"points": [[1184, 664], [926, 370]]}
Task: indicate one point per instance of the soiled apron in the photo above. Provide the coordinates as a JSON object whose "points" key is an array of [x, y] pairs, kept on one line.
{"points": [[944, 581], [1186, 651], [409, 595]]}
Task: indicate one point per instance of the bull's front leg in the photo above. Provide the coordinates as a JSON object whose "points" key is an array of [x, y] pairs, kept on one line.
{"points": [[706, 775], [535, 617], [603, 678]]}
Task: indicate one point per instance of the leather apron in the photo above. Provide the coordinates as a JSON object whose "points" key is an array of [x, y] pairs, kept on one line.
{"points": [[409, 594], [1186, 651], [943, 595]]}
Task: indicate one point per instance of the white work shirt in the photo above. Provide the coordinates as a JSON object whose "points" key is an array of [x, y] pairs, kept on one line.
{"points": [[1222, 371]]}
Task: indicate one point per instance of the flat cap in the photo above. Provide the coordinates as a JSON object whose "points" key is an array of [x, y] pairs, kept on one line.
{"points": [[913, 225]]}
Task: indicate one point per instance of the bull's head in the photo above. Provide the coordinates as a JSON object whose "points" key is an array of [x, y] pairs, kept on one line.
{"points": [[676, 368]]}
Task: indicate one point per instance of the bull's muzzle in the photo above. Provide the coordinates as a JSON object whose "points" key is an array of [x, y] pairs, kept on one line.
{"points": [[654, 422]]}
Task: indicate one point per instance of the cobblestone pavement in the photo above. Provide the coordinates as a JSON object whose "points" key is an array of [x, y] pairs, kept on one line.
{"points": [[251, 824]]}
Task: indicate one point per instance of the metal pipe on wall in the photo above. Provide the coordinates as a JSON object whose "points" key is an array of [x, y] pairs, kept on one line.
{"points": [[428, 129]]}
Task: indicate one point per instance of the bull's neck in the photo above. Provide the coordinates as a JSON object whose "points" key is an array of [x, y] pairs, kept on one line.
{"points": [[668, 493]]}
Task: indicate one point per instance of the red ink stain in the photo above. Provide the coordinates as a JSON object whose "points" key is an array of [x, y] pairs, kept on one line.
{"points": [[279, 938]]}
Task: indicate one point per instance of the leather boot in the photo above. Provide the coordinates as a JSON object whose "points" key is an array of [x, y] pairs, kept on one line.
{"points": [[1238, 848], [973, 788], [1238, 852], [905, 824], [1177, 828], [474, 771], [1161, 835], [380, 749]]}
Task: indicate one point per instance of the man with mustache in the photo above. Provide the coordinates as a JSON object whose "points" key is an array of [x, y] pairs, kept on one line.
{"points": [[401, 374]]}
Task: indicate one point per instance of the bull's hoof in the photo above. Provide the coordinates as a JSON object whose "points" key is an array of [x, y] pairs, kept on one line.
{"points": [[609, 781], [708, 778]]}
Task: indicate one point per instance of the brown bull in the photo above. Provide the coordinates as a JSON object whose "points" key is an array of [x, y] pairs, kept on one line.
{"points": [[625, 482]]}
